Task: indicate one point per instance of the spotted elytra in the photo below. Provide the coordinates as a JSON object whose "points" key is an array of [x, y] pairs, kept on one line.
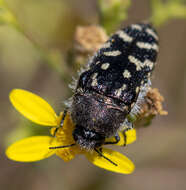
{"points": [[113, 86]]}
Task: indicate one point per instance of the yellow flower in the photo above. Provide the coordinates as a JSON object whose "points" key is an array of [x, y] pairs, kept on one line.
{"points": [[36, 148]]}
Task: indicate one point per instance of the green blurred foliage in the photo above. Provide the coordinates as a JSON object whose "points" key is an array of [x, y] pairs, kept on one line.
{"points": [[163, 11], [112, 13], [6, 16], [53, 57]]}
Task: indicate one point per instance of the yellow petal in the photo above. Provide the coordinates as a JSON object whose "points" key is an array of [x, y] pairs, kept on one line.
{"points": [[130, 137], [31, 149], [33, 107], [124, 165]]}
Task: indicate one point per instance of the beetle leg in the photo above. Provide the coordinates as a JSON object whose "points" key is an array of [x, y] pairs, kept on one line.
{"points": [[117, 138], [62, 121]]}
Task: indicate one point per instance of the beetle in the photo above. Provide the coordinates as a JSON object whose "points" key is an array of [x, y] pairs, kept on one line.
{"points": [[113, 86]]}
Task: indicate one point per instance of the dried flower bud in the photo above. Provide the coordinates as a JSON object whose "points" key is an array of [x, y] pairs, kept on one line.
{"points": [[153, 103], [89, 39]]}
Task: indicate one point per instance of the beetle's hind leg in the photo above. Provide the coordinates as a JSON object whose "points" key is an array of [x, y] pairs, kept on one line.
{"points": [[126, 125], [117, 139], [121, 137]]}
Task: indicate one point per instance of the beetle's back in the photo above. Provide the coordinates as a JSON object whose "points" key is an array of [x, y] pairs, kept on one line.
{"points": [[123, 64]]}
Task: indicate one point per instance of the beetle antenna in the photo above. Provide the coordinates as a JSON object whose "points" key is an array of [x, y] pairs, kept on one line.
{"points": [[66, 146]]}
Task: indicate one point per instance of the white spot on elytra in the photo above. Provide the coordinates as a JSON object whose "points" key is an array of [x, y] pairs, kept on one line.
{"points": [[147, 46], [137, 62], [94, 80], [105, 66], [137, 27], [106, 45], [112, 53], [152, 33], [94, 75], [97, 62], [79, 90], [119, 91], [124, 36], [123, 87], [126, 74], [137, 89], [149, 64]]}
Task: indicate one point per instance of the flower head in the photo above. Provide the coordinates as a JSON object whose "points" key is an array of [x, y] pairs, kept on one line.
{"points": [[36, 148]]}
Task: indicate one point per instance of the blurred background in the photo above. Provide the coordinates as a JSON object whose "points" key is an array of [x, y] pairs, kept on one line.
{"points": [[34, 55]]}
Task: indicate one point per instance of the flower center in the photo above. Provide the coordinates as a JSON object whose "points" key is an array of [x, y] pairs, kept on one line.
{"points": [[65, 137]]}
